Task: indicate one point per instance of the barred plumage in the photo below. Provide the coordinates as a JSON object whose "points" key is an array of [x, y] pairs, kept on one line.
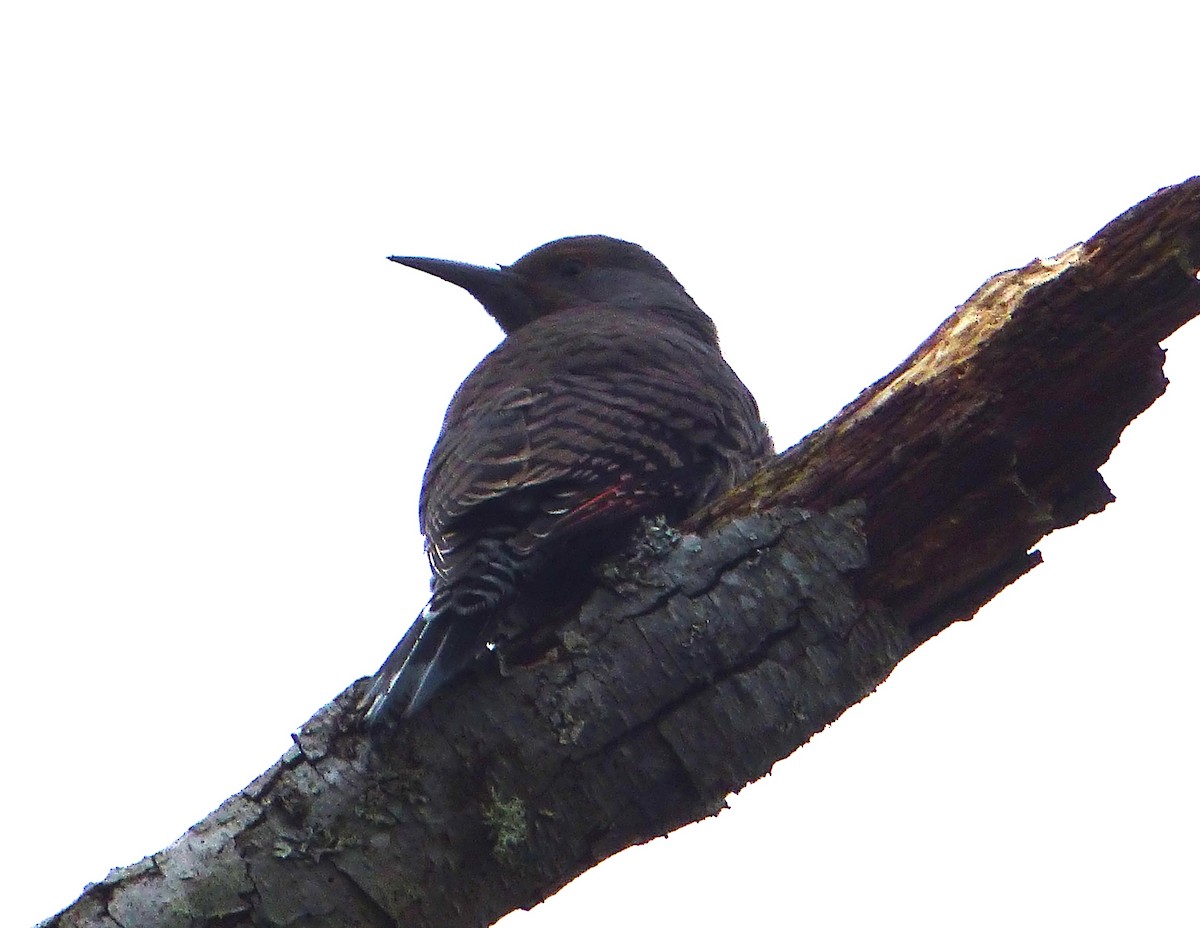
{"points": [[608, 400]]}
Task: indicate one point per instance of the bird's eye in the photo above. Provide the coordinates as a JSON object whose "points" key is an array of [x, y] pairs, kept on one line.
{"points": [[572, 267]]}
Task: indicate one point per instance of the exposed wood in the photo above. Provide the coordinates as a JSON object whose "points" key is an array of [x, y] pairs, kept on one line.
{"points": [[712, 655]]}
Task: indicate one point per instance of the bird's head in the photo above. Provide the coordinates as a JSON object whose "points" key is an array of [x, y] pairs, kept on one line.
{"points": [[570, 273]]}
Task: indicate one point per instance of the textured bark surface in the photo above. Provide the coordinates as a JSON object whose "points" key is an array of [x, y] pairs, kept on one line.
{"points": [[715, 653]]}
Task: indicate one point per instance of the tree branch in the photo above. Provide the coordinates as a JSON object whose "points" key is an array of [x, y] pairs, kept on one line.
{"points": [[709, 656]]}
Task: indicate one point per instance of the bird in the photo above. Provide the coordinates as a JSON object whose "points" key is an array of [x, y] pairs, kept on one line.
{"points": [[607, 401]]}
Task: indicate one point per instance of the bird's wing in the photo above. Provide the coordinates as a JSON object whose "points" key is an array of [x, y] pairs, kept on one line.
{"points": [[536, 461], [573, 421]]}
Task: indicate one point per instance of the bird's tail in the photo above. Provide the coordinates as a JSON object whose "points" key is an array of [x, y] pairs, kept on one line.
{"points": [[435, 650]]}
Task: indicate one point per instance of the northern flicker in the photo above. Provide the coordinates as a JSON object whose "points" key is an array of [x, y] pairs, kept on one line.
{"points": [[608, 400]]}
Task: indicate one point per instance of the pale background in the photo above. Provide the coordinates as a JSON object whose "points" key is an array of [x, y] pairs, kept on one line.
{"points": [[217, 398]]}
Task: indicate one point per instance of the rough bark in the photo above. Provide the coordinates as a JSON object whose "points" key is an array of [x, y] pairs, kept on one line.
{"points": [[716, 652]]}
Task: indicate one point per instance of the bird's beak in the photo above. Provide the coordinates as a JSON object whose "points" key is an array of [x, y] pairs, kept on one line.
{"points": [[502, 291]]}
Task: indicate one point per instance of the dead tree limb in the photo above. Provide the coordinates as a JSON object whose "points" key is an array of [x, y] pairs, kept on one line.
{"points": [[713, 654]]}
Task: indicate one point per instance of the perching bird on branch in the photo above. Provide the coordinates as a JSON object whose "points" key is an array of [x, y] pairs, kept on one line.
{"points": [[607, 401]]}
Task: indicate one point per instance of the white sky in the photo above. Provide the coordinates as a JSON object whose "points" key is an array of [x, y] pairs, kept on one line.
{"points": [[217, 398]]}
